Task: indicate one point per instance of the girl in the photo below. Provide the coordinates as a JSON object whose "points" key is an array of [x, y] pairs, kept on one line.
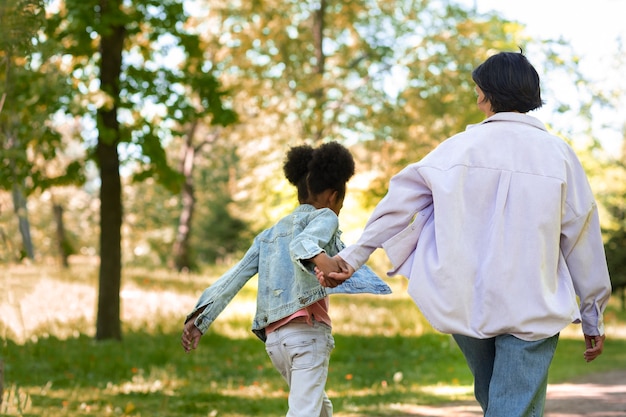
{"points": [[292, 307]]}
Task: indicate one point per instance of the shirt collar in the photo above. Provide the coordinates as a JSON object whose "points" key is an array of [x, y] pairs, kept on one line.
{"points": [[512, 117]]}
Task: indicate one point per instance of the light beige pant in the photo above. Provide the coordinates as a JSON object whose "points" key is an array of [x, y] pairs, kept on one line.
{"points": [[300, 353]]}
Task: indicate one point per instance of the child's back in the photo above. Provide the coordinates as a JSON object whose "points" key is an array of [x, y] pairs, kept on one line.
{"points": [[292, 307]]}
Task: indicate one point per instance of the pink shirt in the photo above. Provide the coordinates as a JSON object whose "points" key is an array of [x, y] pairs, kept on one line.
{"points": [[317, 311]]}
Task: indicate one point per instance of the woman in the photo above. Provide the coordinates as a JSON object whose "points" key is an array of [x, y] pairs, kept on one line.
{"points": [[498, 231]]}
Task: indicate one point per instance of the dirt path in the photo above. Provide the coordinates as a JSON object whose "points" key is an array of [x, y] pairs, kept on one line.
{"points": [[597, 395]]}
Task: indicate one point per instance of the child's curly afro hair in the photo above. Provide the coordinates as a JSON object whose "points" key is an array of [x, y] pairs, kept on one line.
{"points": [[314, 170], [331, 167]]}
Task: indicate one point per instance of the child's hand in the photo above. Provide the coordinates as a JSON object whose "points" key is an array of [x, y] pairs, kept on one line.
{"points": [[325, 263], [331, 272], [191, 336], [324, 280]]}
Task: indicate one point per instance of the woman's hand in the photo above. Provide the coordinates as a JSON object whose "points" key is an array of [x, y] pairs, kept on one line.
{"points": [[595, 345]]}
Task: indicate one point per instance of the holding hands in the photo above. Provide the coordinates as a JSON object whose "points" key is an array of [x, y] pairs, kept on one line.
{"points": [[331, 272]]}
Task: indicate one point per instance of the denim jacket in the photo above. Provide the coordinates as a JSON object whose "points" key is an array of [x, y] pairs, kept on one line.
{"points": [[286, 284]]}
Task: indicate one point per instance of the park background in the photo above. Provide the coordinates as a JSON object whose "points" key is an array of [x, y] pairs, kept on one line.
{"points": [[142, 144]]}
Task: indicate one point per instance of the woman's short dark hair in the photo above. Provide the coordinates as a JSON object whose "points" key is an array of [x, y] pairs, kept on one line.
{"points": [[509, 82]]}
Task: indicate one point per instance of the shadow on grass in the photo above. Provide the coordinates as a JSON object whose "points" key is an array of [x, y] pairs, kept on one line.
{"points": [[150, 375]]}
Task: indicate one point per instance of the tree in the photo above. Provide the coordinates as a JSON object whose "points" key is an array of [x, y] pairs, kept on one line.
{"points": [[64, 247], [219, 234], [205, 111], [614, 199], [606, 165], [181, 250], [112, 30], [393, 77], [133, 89], [32, 86]]}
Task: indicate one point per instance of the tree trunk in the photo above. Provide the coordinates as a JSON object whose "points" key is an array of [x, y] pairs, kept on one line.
{"points": [[318, 94], [108, 325], [318, 38], [181, 250], [19, 204], [61, 238]]}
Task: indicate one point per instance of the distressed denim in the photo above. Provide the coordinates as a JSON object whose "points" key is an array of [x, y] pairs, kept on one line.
{"points": [[286, 280]]}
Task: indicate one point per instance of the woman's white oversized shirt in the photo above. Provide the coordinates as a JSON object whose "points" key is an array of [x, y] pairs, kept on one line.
{"points": [[498, 232]]}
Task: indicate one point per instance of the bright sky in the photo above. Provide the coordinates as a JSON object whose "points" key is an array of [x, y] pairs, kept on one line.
{"points": [[591, 27]]}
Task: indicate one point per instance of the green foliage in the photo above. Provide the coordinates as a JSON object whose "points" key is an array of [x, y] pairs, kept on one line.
{"points": [[395, 81], [152, 210], [19, 21], [160, 91], [615, 249], [32, 88], [393, 76], [612, 196], [616, 257], [219, 235], [219, 231]]}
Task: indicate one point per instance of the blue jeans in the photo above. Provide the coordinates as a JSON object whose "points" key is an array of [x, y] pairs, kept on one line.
{"points": [[301, 354], [510, 374]]}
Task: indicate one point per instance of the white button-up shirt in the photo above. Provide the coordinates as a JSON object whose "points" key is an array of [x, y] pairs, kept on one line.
{"points": [[498, 232]]}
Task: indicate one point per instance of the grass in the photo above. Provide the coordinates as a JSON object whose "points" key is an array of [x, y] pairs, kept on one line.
{"points": [[385, 355]]}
